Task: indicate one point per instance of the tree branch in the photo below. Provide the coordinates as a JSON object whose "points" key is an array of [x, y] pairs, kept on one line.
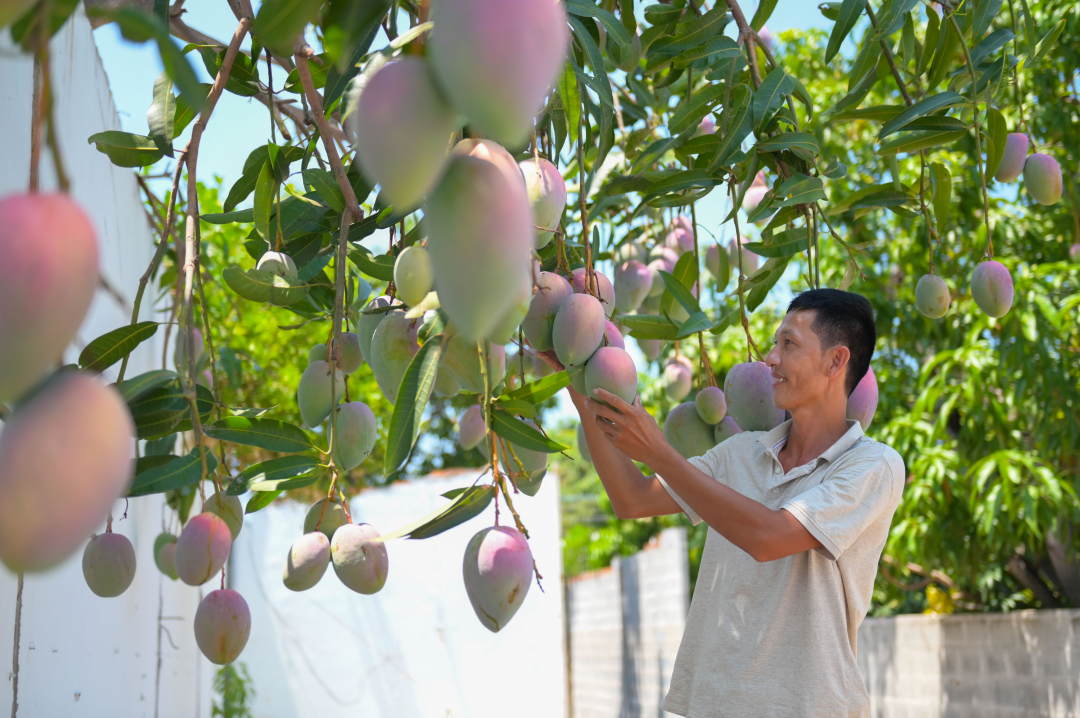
{"points": [[889, 58], [746, 33]]}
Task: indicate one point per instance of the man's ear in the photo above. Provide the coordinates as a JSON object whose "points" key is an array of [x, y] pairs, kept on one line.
{"points": [[837, 359]]}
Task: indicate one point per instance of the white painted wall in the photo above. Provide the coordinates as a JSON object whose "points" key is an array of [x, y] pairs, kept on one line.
{"points": [[416, 648], [81, 655]]}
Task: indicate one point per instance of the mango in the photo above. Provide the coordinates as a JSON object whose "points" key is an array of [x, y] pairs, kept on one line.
{"points": [[526, 467], [202, 549], [108, 564], [655, 267], [707, 126], [749, 391], [496, 154], [319, 352], [180, 349], [48, 275], [413, 275], [333, 518], [583, 444], [356, 434], [577, 379], [579, 280], [612, 369], [1074, 253], [497, 60], [278, 263], [461, 361], [551, 291], [307, 561], [471, 427], [650, 348], [1012, 162], [631, 250], [932, 296], [540, 368], [726, 429], [680, 239], [229, 509], [480, 226], [222, 626], [359, 562], [497, 569], [65, 456], [367, 323], [1042, 177], [392, 348], [165, 554], [711, 404], [633, 282], [505, 330], [992, 288], [351, 358], [578, 329], [716, 261], [677, 380], [403, 126], [863, 401], [612, 336], [686, 432], [547, 194], [314, 395]]}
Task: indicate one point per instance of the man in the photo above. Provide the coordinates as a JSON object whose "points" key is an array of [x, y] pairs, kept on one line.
{"points": [[798, 517]]}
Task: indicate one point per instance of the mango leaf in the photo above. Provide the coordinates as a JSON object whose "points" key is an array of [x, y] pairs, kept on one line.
{"points": [[519, 407], [990, 44], [464, 506], [920, 109], [876, 113], [323, 182], [789, 140], [770, 95], [186, 112], [762, 14], [1048, 41], [599, 82], [694, 33], [648, 326], [204, 402], [781, 244], [738, 118], [893, 17], [850, 12], [689, 113], [985, 12], [860, 90], [775, 269], [181, 471], [161, 117], [996, 132], [111, 347], [413, 394], [266, 191], [158, 411], [269, 434], [943, 58], [136, 386], [279, 22], [696, 322], [835, 169], [381, 267], [257, 285], [571, 101], [685, 272], [911, 142], [942, 123], [884, 198], [240, 215], [941, 181], [716, 49], [265, 475], [260, 500], [680, 293], [521, 434], [541, 389], [614, 28], [680, 181], [125, 149], [26, 29]]}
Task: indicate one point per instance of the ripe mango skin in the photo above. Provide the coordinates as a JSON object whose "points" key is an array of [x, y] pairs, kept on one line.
{"points": [[686, 432], [551, 291], [307, 561], [932, 296], [403, 126], [392, 348], [677, 381], [202, 549], [357, 433], [863, 401], [48, 276], [108, 564], [496, 60], [579, 280], [1012, 161], [332, 519], [497, 569], [578, 329], [471, 427], [633, 282], [1042, 177], [222, 626], [360, 563], [613, 369], [480, 240], [992, 288], [726, 429], [65, 457], [229, 509], [547, 194], [749, 391]]}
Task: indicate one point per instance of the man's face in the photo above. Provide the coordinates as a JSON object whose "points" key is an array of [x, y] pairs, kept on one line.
{"points": [[800, 369]]}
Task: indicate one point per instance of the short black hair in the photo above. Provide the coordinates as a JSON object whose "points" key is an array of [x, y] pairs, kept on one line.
{"points": [[842, 318]]}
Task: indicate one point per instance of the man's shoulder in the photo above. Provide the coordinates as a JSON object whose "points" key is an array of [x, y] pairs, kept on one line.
{"points": [[874, 457], [736, 444]]}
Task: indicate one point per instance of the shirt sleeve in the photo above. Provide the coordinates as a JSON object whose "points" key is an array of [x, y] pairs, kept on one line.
{"points": [[845, 504], [708, 463]]}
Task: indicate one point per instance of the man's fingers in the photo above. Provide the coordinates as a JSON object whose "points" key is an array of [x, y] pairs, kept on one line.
{"points": [[614, 400], [607, 427], [602, 410]]}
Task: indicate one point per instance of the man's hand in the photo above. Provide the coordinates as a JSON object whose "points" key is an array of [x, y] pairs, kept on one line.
{"points": [[550, 359], [628, 427]]}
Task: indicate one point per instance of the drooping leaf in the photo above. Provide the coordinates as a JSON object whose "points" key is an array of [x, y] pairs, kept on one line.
{"points": [[790, 140], [260, 286], [279, 22], [381, 267], [126, 149], [648, 326], [696, 322], [996, 132], [598, 81], [770, 95], [922, 108], [991, 44], [892, 18], [716, 49], [985, 12], [850, 12], [762, 14], [136, 386], [272, 475], [177, 473], [770, 273], [541, 389], [679, 291], [941, 181], [260, 500], [111, 347], [323, 182], [1048, 41], [269, 434], [689, 113], [781, 244], [161, 117], [615, 29], [910, 142], [464, 506], [266, 190], [521, 434], [416, 386], [159, 411], [738, 119]]}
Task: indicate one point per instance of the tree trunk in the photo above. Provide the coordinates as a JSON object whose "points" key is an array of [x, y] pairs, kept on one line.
{"points": [[1029, 579]]}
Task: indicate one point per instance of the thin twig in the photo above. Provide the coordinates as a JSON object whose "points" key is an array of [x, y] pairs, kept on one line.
{"points": [[15, 650], [889, 58]]}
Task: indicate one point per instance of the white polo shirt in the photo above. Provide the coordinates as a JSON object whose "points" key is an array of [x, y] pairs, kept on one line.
{"points": [[778, 638]]}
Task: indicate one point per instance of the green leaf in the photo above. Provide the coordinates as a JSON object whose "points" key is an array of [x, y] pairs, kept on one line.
{"points": [[911, 142], [985, 12], [519, 433], [770, 95], [244, 186], [687, 179], [158, 411], [681, 294], [941, 181], [738, 118], [266, 190], [614, 28], [893, 17], [279, 22], [835, 169], [242, 215], [930, 43], [111, 347], [693, 33], [921, 108], [323, 182], [466, 505], [381, 267], [416, 385], [689, 113], [600, 83], [269, 434], [858, 92], [648, 326], [696, 322], [990, 44], [762, 14], [775, 269], [204, 402], [850, 12], [161, 117], [789, 140], [181, 471], [260, 500], [1048, 41], [268, 476], [877, 113], [571, 101], [134, 387], [884, 198], [718, 48], [943, 58], [941, 123], [516, 406], [541, 389], [996, 132], [782, 244], [257, 285], [125, 149], [186, 112], [25, 30]]}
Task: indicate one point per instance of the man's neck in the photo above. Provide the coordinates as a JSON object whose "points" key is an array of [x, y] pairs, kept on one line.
{"points": [[813, 430]]}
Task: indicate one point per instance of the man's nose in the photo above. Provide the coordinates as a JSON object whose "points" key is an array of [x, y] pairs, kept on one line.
{"points": [[772, 359]]}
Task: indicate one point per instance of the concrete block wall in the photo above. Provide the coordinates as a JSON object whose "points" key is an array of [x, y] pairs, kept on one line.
{"points": [[626, 623]]}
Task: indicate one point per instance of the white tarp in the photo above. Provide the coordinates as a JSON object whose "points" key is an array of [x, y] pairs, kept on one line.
{"points": [[416, 648]]}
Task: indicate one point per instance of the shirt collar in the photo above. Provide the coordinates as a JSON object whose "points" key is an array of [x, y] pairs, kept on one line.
{"points": [[780, 434]]}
